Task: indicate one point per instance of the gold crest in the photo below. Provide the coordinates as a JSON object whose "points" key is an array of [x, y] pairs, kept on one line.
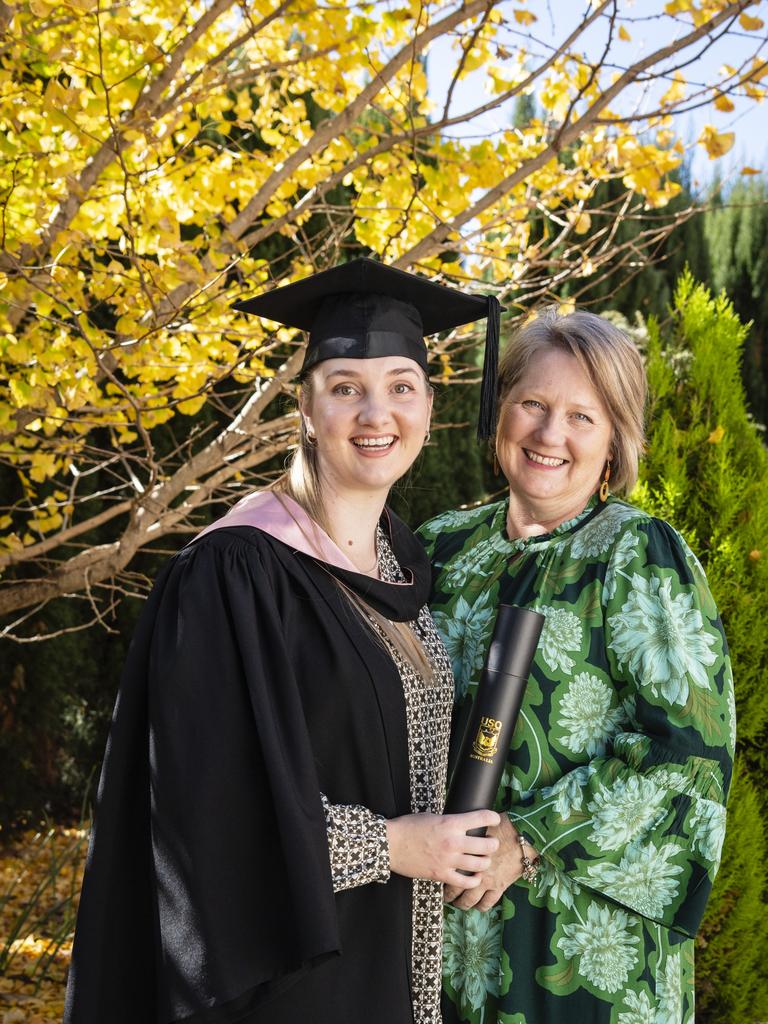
{"points": [[487, 739]]}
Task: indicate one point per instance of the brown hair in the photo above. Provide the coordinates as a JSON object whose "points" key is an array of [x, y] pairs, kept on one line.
{"points": [[612, 364], [301, 481]]}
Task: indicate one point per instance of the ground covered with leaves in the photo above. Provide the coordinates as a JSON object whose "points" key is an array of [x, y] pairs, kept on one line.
{"points": [[40, 876]]}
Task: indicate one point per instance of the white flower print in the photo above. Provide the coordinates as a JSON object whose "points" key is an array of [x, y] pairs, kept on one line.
{"points": [[661, 638], [624, 552], [669, 987], [708, 824], [625, 811], [569, 791], [562, 633], [465, 632], [555, 884], [510, 781], [605, 946], [643, 880], [668, 779], [462, 518], [642, 1010], [471, 952], [476, 560], [595, 537], [587, 715]]}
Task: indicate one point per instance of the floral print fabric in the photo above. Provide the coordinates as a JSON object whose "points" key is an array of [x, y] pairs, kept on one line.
{"points": [[618, 770]]}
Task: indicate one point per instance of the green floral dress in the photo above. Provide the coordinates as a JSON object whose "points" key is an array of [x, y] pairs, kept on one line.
{"points": [[617, 773]]}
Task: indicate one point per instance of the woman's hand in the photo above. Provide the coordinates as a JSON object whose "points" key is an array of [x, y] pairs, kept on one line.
{"points": [[506, 867], [436, 846]]}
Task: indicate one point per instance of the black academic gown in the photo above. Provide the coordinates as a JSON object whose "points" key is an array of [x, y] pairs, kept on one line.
{"points": [[251, 686]]}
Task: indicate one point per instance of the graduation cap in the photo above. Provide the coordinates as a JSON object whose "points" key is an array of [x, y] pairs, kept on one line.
{"points": [[364, 309]]}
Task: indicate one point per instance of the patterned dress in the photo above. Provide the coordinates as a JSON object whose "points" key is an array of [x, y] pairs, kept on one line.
{"points": [[357, 838], [617, 773]]}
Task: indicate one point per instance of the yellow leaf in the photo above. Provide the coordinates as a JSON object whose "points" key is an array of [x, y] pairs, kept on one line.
{"points": [[566, 307], [21, 392], [754, 91], [717, 435], [676, 91], [580, 221], [525, 17], [722, 102], [192, 405], [750, 170], [272, 137], [716, 143], [623, 34], [749, 23]]}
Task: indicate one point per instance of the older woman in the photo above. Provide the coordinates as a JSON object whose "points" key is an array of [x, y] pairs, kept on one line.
{"points": [[616, 779], [268, 843]]}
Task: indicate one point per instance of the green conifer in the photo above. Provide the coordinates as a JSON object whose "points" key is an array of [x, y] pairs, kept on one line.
{"points": [[706, 471]]}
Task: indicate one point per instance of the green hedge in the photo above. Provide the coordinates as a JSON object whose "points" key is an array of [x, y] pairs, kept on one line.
{"points": [[706, 471]]}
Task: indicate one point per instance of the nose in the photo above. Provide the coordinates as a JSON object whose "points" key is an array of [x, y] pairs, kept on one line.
{"points": [[550, 429], [374, 411]]}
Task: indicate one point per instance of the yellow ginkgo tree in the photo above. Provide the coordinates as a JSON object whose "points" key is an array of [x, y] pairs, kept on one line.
{"points": [[158, 160]]}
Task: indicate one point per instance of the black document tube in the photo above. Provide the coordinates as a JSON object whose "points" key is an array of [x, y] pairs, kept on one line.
{"points": [[483, 751]]}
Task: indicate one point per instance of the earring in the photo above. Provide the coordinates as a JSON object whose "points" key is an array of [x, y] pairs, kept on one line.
{"points": [[604, 485], [427, 437]]}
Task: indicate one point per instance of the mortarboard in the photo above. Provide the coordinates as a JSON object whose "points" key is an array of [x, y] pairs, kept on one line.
{"points": [[364, 309]]}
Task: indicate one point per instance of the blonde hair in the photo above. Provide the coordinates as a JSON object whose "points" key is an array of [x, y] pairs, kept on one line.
{"points": [[302, 482], [613, 366]]}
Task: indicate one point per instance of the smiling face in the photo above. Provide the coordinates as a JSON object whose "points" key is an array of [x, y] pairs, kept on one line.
{"points": [[370, 417], [553, 438]]}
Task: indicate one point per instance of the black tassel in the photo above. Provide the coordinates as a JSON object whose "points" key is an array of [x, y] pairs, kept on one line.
{"points": [[486, 422]]}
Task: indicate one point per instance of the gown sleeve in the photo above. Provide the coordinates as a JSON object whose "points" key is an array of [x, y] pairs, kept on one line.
{"points": [[357, 844], [644, 824], [208, 877]]}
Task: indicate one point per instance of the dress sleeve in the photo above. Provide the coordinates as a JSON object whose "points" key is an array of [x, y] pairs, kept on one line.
{"points": [[357, 845], [644, 824]]}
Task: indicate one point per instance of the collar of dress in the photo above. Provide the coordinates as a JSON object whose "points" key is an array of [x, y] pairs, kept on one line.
{"points": [[592, 508]]}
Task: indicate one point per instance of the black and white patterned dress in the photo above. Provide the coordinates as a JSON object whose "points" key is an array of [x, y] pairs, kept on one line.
{"points": [[357, 837]]}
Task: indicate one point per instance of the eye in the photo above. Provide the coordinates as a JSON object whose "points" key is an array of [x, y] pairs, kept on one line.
{"points": [[531, 403], [402, 388], [344, 390], [582, 417]]}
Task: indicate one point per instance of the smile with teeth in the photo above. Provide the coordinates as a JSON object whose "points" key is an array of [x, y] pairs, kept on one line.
{"points": [[374, 442], [542, 460]]}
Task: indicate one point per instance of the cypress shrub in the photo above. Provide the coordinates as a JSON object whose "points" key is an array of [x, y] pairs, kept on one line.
{"points": [[706, 471]]}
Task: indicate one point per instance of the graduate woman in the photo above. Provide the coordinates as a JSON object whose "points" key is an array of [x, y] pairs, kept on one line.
{"points": [[269, 844]]}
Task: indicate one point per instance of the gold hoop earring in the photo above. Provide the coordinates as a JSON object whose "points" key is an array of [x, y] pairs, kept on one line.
{"points": [[311, 439], [604, 491]]}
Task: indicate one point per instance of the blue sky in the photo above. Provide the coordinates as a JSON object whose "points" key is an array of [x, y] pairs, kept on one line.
{"points": [[556, 18]]}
